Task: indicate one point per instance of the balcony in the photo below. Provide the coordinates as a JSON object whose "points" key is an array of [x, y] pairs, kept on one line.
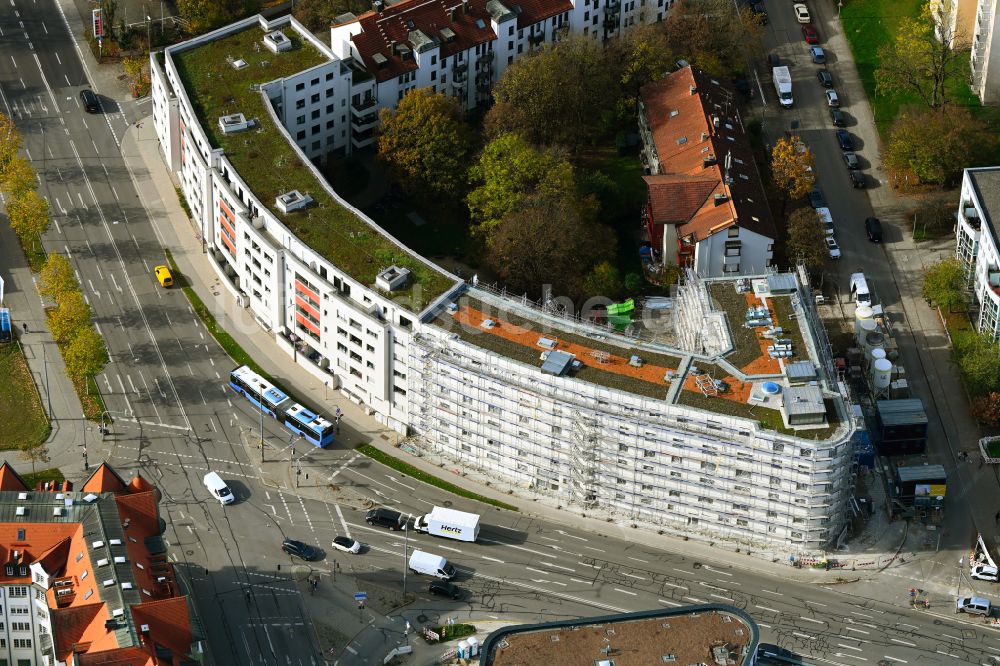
{"points": [[362, 139], [485, 58], [361, 122], [536, 38], [459, 77], [364, 104]]}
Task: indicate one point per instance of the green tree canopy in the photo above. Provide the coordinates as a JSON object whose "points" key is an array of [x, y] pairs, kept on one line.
{"points": [[980, 364], [508, 170], [924, 56], [713, 35], [806, 238], [944, 283], [71, 317], [318, 15], [56, 277], [201, 16], [564, 95], [549, 238], [603, 280], [930, 147], [426, 142], [10, 141], [86, 355]]}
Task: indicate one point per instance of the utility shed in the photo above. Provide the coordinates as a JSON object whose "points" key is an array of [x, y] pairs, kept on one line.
{"points": [[800, 372], [901, 427], [803, 405], [920, 485], [781, 283]]}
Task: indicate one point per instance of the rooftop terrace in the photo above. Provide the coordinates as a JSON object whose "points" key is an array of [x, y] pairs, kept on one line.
{"points": [[602, 359], [270, 164]]}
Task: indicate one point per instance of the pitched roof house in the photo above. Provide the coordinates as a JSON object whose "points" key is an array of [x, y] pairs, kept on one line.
{"points": [[705, 204], [89, 569]]}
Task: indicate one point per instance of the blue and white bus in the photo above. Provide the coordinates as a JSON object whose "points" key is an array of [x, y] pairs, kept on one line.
{"points": [[257, 390], [269, 399], [314, 428]]}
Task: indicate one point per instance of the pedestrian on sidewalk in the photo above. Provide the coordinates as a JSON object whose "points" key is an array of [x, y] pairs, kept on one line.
{"points": [[25, 325]]}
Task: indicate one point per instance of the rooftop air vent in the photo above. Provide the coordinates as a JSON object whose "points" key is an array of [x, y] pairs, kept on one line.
{"points": [[393, 278], [110, 625], [20, 511], [380, 60], [22, 496], [97, 544], [118, 612], [89, 498], [115, 542], [720, 198], [234, 123], [239, 63], [109, 582], [126, 586], [144, 628], [277, 42], [57, 511], [119, 559], [290, 201], [103, 562], [447, 35]]}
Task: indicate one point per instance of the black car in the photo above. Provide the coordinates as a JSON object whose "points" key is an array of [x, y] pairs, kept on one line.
{"points": [[874, 229], [89, 100], [773, 60], [857, 178], [385, 518], [825, 78], [851, 160], [845, 140], [780, 654], [301, 550], [816, 198], [443, 588], [838, 118]]}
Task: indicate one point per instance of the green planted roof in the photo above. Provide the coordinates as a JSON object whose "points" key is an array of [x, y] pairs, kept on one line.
{"points": [[269, 165]]}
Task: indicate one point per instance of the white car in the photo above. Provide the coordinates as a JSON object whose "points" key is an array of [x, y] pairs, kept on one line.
{"points": [[347, 545], [832, 248], [801, 13], [832, 99]]}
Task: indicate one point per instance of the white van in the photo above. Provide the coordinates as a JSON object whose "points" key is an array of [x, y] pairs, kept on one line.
{"points": [[972, 605], [431, 565], [859, 289], [218, 488], [825, 220]]}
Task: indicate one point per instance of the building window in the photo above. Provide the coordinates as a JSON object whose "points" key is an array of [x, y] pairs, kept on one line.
{"points": [[300, 104], [315, 130], [299, 87], [329, 93], [733, 232], [434, 75], [300, 135], [329, 108], [316, 145], [329, 124], [20, 535], [434, 60], [300, 120]]}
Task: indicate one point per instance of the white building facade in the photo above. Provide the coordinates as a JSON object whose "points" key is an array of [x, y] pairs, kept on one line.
{"points": [[984, 59], [977, 246], [648, 460]]}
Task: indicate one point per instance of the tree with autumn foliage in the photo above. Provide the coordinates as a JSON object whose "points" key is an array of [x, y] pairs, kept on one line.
{"points": [[929, 147], [10, 142], [792, 168], [18, 177], [926, 53], [715, 36], [71, 317], [806, 238], [986, 408], [28, 214], [426, 142], [56, 277], [944, 284]]}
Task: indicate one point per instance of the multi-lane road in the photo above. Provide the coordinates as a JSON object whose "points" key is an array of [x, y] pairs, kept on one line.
{"points": [[166, 387]]}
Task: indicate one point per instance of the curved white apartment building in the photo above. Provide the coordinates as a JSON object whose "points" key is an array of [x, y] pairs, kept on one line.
{"points": [[699, 424]]}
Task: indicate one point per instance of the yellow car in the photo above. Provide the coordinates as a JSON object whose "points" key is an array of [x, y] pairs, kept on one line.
{"points": [[163, 275]]}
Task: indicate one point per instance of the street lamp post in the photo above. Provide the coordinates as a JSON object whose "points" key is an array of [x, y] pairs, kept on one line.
{"points": [[406, 545], [262, 433], [149, 42]]}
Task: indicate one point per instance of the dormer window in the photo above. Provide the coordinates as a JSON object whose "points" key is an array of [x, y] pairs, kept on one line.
{"points": [[22, 570], [9, 569]]}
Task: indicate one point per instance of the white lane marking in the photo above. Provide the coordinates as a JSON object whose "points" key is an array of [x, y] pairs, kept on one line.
{"points": [[695, 600], [556, 566], [632, 576], [340, 514], [57, 59], [638, 560], [891, 658], [872, 617], [801, 635], [41, 72], [510, 545], [948, 654], [850, 647], [809, 619], [770, 610], [902, 642], [577, 580], [13, 61], [860, 631], [571, 536], [770, 592], [952, 637], [492, 559], [669, 603], [679, 587], [618, 589], [547, 538]]}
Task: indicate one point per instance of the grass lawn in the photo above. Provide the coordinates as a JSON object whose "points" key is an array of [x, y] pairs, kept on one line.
{"points": [[24, 421], [868, 24], [767, 418], [31, 480], [735, 307], [413, 472]]}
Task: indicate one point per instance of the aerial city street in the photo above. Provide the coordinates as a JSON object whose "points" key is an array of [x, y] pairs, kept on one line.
{"points": [[499, 332]]}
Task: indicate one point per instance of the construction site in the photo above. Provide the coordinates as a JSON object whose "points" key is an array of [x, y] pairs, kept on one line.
{"points": [[718, 413]]}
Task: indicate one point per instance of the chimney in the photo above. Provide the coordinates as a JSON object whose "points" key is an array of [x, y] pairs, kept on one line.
{"points": [[708, 160], [465, 6], [720, 198]]}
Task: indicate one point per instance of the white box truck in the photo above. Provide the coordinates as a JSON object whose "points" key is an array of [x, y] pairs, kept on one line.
{"points": [[449, 523], [783, 85], [430, 564], [981, 563]]}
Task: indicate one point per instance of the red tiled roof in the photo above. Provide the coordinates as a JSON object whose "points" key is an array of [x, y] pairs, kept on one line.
{"points": [[69, 625], [380, 31], [9, 479], [131, 656], [169, 623], [695, 125], [140, 485], [104, 480], [533, 11], [54, 559]]}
